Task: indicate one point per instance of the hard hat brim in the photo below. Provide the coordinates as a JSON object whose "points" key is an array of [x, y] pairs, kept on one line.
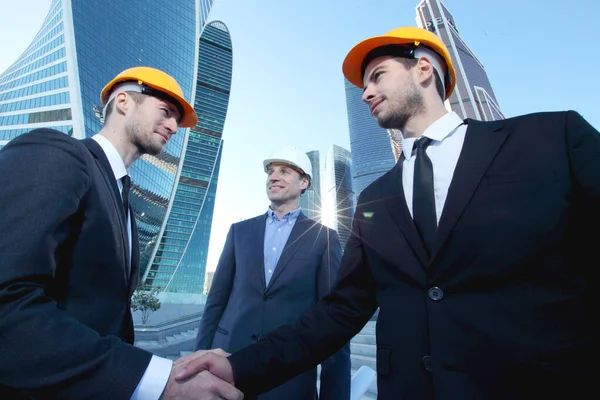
{"points": [[189, 117], [293, 165], [352, 65]]}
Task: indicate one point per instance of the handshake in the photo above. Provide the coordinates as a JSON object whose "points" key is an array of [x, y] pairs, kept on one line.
{"points": [[203, 375]]}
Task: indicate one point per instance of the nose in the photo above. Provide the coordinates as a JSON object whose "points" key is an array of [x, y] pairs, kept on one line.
{"points": [[274, 177], [171, 125], [367, 95]]}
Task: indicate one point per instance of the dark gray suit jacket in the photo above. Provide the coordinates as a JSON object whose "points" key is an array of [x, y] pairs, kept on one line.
{"points": [[65, 283], [240, 308]]}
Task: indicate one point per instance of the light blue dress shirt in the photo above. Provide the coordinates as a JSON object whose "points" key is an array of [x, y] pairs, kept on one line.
{"points": [[277, 232]]}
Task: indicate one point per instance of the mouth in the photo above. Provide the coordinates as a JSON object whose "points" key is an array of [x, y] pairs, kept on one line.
{"points": [[375, 105], [163, 135], [275, 187]]}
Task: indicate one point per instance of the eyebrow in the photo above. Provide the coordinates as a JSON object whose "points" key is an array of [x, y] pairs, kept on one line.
{"points": [[173, 110], [369, 78]]}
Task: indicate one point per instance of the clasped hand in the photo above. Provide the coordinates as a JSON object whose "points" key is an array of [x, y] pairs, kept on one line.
{"points": [[203, 375]]}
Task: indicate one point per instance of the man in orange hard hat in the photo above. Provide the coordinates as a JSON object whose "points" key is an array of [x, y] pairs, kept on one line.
{"points": [[476, 249], [70, 254]]}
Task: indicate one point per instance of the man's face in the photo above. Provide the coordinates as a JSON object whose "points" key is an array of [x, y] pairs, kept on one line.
{"points": [[284, 183], [391, 93], [151, 124]]}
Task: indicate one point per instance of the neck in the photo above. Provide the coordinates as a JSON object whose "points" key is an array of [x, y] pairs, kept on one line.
{"points": [[284, 208], [416, 125], [128, 152]]}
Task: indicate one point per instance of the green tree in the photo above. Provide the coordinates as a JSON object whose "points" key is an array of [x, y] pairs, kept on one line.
{"points": [[145, 301]]}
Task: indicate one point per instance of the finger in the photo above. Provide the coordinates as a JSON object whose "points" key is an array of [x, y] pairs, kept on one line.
{"points": [[220, 352], [224, 389], [201, 363]]}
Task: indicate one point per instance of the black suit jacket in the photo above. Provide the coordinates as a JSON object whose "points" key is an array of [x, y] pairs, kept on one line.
{"points": [[241, 308], [506, 306], [65, 283]]}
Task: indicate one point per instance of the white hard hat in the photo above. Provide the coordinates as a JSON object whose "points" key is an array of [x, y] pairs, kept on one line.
{"points": [[293, 156]]}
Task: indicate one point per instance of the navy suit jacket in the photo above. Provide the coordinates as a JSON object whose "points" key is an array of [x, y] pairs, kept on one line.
{"points": [[65, 283], [241, 308], [506, 306]]}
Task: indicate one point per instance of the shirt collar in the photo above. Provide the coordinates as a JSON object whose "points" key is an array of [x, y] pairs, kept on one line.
{"points": [[438, 131], [290, 216], [114, 158]]}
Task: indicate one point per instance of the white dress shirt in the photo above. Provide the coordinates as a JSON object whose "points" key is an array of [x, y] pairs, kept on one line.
{"points": [[447, 135], [157, 373]]}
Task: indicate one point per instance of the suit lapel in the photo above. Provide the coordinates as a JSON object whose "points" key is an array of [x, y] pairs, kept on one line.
{"points": [[392, 193], [256, 240], [109, 178], [135, 256], [482, 142], [297, 237]]}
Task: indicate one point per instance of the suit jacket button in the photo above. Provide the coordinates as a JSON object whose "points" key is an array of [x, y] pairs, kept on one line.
{"points": [[427, 363], [435, 293]]}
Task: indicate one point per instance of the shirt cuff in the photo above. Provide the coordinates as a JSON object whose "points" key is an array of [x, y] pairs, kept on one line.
{"points": [[155, 379]]}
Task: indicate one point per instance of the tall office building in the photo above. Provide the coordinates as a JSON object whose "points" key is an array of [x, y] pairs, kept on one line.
{"points": [[179, 263], [310, 201], [81, 45], [372, 154], [338, 195], [473, 96]]}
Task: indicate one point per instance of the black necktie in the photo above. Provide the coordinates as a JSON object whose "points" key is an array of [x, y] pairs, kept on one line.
{"points": [[423, 196], [126, 180]]}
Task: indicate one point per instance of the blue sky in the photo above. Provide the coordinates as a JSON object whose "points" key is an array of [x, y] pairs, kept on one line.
{"points": [[288, 87]]}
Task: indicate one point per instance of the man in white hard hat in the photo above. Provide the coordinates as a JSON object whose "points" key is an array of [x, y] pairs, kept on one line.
{"points": [[273, 269]]}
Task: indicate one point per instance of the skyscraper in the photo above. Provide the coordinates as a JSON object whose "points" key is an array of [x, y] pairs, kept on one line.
{"points": [[473, 96], [310, 201], [179, 263], [338, 195], [372, 154], [81, 45]]}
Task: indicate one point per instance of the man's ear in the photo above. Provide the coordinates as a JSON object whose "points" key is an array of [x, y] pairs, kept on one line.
{"points": [[424, 69], [122, 102], [304, 182]]}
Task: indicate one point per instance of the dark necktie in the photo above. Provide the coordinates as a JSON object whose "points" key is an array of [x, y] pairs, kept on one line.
{"points": [[126, 180], [423, 196]]}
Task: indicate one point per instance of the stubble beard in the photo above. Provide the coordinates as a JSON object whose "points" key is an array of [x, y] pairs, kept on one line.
{"points": [[136, 132], [402, 111]]}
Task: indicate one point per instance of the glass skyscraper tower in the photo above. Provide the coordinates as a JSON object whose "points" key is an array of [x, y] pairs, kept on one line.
{"points": [[310, 200], [473, 96], [338, 195], [82, 45], [179, 263]]}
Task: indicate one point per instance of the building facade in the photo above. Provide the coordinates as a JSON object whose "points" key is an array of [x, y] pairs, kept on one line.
{"points": [[473, 96], [57, 80], [179, 262], [338, 194], [310, 201]]}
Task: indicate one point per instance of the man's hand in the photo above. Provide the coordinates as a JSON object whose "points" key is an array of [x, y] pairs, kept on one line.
{"points": [[202, 386], [216, 364], [181, 362]]}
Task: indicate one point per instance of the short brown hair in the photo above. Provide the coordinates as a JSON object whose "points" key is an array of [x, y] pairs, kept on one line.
{"points": [[138, 98]]}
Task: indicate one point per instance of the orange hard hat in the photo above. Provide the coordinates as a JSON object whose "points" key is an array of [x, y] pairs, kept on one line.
{"points": [[157, 83], [408, 35]]}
